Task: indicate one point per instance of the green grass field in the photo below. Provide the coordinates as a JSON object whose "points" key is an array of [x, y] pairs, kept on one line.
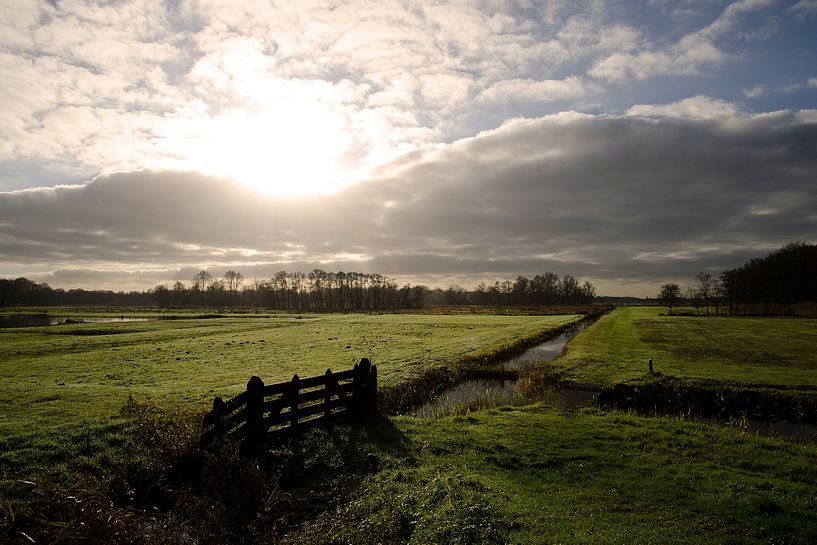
{"points": [[533, 475], [520, 475], [524, 475], [53, 376], [744, 350]]}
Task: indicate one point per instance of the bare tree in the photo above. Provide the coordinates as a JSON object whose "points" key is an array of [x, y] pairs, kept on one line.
{"points": [[233, 280], [669, 295], [706, 288], [694, 298], [506, 288], [570, 288], [589, 291], [201, 280]]}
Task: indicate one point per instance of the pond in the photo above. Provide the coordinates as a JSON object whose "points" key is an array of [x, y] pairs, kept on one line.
{"points": [[37, 320]]}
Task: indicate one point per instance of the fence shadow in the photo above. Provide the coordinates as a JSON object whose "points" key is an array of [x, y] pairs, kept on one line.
{"points": [[293, 481], [279, 455], [344, 451]]}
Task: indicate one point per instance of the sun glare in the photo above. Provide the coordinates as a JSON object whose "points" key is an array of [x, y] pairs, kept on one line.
{"points": [[294, 147]]}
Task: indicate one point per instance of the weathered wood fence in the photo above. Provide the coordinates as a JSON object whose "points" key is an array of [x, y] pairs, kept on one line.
{"points": [[266, 412]]}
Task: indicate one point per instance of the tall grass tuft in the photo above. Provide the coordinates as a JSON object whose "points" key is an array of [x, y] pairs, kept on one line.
{"points": [[537, 382]]}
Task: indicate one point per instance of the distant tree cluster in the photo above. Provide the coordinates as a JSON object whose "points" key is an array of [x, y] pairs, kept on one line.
{"points": [[546, 289], [25, 292], [781, 279], [315, 291]]}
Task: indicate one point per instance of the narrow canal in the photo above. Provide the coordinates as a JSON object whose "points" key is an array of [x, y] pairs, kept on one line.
{"points": [[478, 393]]}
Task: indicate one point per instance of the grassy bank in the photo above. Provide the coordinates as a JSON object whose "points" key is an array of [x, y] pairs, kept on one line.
{"points": [[526, 475], [744, 350]]}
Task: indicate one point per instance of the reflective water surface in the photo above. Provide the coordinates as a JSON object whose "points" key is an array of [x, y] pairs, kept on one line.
{"points": [[37, 320], [473, 394]]}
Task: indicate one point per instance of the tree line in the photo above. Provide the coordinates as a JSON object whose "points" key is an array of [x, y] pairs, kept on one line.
{"points": [[548, 289], [318, 290], [24, 292], [321, 290], [762, 285], [315, 291]]}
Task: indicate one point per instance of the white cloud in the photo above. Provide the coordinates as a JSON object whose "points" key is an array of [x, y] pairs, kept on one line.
{"points": [[153, 86], [234, 89], [689, 55], [763, 90], [698, 107], [572, 87], [757, 91]]}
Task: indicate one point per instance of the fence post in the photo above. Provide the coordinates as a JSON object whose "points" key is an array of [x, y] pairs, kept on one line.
{"points": [[328, 392], [295, 387], [357, 379], [219, 409], [373, 391], [217, 427], [363, 388], [254, 423]]}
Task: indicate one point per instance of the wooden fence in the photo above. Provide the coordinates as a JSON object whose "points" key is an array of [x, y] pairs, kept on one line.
{"points": [[267, 412]]}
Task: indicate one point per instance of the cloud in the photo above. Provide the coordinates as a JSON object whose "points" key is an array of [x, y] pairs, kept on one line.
{"points": [[689, 55], [639, 198], [762, 90], [537, 91], [698, 107], [805, 10], [93, 88], [195, 85], [755, 92]]}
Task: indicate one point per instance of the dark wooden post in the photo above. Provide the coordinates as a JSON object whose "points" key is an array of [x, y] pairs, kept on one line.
{"points": [[363, 389], [254, 423], [373, 391], [215, 420], [219, 409], [328, 392], [294, 391], [357, 380], [650, 366]]}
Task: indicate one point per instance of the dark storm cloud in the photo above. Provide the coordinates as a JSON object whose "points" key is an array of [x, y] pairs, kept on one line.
{"points": [[614, 199]]}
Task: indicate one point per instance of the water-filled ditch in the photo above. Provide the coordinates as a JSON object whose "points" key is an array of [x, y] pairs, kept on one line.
{"points": [[478, 393]]}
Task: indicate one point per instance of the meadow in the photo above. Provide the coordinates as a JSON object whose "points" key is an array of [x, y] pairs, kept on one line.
{"points": [[507, 475], [98, 436], [70, 376], [587, 477], [748, 351]]}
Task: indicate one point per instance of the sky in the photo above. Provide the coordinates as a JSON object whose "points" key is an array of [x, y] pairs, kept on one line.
{"points": [[626, 143]]}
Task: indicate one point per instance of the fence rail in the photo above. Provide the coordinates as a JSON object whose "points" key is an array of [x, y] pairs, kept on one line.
{"points": [[266, 412]]}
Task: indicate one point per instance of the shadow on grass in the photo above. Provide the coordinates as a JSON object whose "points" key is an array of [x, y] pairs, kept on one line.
{"points": [[164, 489], [665, 394]]}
